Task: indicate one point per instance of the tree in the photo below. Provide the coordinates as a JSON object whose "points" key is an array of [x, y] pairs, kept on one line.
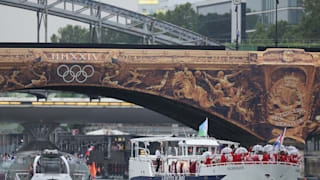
{"points": [[71, 34], [264, 34], [183, 16], [211, 25], [78, 34], [310, 23]]}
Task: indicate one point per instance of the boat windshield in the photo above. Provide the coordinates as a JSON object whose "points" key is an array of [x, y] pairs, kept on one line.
{"points": [[52, 165]]}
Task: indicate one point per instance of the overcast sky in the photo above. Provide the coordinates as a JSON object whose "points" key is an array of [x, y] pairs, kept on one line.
{"points": [[18, 25]]}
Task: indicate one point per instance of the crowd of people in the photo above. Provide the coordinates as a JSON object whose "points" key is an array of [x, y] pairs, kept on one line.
{"points": [[7, 156], [255, 153]]}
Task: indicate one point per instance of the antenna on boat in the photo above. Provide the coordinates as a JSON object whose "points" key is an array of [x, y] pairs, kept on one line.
{"points": [[184, 131]]}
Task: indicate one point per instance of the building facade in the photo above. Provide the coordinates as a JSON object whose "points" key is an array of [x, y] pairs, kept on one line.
{"points": [[252, 12], [312, 156], [264, 12], [148, 7]]}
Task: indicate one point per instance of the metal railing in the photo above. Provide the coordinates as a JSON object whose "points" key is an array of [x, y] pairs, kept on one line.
{"points": [[102, 15]]}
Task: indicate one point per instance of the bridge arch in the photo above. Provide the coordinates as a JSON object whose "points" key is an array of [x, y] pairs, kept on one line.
{"points": [[246, 95]]}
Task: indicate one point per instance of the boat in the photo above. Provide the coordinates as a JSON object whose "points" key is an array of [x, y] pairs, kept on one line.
{"points": [[201, 158], [46, 164]]}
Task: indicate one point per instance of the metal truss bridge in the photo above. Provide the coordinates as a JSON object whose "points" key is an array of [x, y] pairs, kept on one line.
{"points": [[99, 15]]}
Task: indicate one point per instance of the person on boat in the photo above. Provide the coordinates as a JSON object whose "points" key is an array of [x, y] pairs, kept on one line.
{"points": [[158, 156], [266, 156], [223, 158], [293, 158], [274, 157], [193, 166], [255, 157], [283, 156]]}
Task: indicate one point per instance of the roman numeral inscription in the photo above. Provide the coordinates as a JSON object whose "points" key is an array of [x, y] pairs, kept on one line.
{"points": [[74, 56]]}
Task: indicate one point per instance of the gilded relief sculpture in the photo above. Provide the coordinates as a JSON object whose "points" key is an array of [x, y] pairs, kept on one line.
{"points": [[162, 83], [135, 78], [260, 92]]}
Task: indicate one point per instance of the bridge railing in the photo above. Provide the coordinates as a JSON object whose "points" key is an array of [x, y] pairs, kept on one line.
{"points": [[115, 18]]}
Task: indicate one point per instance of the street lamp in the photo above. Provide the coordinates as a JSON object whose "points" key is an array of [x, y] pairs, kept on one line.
{"points": [[276, 34], [236, 3]]}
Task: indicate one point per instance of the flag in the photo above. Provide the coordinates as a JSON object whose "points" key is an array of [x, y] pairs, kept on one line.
{"points": [[203, 128], [279, 141], [89, 150]]}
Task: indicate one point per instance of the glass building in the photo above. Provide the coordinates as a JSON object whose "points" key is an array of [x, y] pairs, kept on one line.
{"points": [[263, 11], [311, 157], [256, 11], [155, 6]]}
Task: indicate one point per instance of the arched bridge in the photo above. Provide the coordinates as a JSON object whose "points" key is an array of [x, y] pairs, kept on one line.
{"points": [[248, 96], [104, 15]]}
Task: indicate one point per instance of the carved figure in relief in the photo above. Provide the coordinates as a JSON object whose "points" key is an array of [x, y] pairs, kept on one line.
{"points": [[2, 80], [224, 79], [184, 84], [245, 112], [134, 79], [43, 80], [13, 79], [107, 78], [227, 95], [162, 83]]}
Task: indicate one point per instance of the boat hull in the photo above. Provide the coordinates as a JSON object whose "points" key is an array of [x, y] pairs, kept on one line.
{"points": [[254, 171], [142, 170], [179, 178]]}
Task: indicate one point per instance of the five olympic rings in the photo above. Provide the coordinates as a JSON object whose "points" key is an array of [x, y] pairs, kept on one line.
{"points": [[75, 72]]}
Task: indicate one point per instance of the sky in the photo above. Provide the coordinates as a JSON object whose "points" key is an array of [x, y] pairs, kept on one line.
{"points": [[18, 25]]}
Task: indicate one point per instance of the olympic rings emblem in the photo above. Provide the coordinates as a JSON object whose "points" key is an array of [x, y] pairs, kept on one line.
{"points": [[75, 72]]}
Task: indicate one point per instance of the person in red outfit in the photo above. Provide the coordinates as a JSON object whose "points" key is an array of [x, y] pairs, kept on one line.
{"points": [[283, 157], [266, 157], [223, 158], [208, 160], [234, 157]]}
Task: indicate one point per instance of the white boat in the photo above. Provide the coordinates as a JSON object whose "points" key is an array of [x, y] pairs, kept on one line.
{"points": [[50, 165], [186, 158], [47, 164]]}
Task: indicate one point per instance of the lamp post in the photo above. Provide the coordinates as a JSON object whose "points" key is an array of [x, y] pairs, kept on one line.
{"points": [[276, 33], [236, 3]]}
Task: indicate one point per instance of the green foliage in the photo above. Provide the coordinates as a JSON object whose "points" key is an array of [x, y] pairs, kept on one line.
{"points": [[308, 29], [264, 34], [71, 34], [212, 25], [78, 34], [112, 37], [310, 23], [183, 16]]}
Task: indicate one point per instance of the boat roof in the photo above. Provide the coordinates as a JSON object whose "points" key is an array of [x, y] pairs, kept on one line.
{"points": [[196, 141]]}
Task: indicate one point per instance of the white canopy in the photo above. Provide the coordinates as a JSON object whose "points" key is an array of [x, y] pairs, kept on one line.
{"points": [[241, 150], [201, 142], [106, 132], [226, 150], [268, 148], [257, 148]]}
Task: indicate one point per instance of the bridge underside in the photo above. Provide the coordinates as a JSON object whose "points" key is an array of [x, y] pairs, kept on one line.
{"points": [[247, 96]]}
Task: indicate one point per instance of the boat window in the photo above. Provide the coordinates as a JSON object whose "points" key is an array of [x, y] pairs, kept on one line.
{"points": [[51, 165], [201, 150], [181, 151], [190, 151]]}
